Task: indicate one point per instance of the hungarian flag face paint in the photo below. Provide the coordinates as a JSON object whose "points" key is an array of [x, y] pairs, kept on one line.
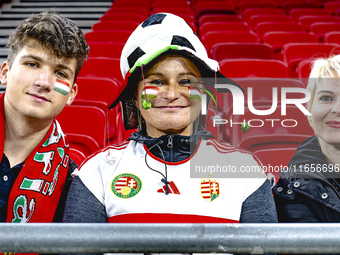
{"points": [[62, 87], [195, 93], [149, 92]]}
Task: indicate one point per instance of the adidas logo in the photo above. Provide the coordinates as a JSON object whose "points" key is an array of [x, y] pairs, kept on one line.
{"points": [[172, 189]]}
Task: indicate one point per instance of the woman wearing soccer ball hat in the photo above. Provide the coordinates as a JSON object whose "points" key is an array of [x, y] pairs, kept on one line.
{"points": [[160, 175]]}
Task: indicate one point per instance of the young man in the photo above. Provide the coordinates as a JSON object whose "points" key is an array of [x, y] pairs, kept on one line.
{"points": [[46, 54]]}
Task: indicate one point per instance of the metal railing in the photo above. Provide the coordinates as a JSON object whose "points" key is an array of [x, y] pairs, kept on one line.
{"points": [[169, 238]]}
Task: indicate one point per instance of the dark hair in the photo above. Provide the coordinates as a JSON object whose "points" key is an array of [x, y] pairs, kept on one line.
{"points": [[52, 31]]}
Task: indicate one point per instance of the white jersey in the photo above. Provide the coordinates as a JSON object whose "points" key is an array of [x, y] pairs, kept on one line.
{"points": [[132, 193]]}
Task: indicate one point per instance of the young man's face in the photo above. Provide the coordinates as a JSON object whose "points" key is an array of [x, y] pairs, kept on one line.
{"points": [[32, 91]]}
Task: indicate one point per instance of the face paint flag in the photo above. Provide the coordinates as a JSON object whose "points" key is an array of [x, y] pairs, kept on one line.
{"points": [[195, 93], [62, 87], [149, 92]]}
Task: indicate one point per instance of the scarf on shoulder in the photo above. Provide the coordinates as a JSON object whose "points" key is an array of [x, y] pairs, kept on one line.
{"points": [[36, 191]]}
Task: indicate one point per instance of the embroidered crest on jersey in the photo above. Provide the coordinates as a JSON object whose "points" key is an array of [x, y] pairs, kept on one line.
{"points": [[172, 189], [210, 189], [126, 185]]}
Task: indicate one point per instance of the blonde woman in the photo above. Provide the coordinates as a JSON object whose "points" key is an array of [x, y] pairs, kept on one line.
{"points": [[309, 192]]}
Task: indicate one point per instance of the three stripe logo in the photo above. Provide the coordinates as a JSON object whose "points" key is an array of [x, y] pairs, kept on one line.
{"points": [[172, 189]]}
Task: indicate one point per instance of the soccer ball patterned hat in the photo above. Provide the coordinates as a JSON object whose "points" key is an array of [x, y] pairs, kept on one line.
{"points": [[160, 33]]}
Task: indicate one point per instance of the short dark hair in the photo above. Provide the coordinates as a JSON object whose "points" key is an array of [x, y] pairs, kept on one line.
{"points": [[52, 31]]}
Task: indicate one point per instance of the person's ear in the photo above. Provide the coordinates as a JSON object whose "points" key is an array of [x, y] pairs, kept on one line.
{"points": [[4, 73], [72, 94]]}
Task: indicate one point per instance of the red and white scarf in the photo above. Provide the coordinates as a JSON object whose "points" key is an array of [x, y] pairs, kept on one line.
{"points": [[36, 191]]}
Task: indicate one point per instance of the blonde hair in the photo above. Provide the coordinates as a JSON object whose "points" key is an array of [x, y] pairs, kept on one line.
{"points": [[322, 68]]}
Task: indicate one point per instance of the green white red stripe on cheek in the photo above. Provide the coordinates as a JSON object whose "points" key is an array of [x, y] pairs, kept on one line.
{"points": [[62, 87], [195, 93], [149, 92]]}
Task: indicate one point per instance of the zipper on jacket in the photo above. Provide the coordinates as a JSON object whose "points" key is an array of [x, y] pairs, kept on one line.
{"points": [[170, 145]]}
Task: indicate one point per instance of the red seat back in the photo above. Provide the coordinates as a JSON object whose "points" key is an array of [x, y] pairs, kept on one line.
{"points": [[255, 19], [264, 27], [222, 26], [331, 7], [293, 53], [288, 6], [222, 51], [247, 14], [307, 20], [106, 49], [214, 37], [122, 16], [102, 67], [297, 13], [242, 68], [319, 29], [332, 37], [270, 124], [85, 120], [115, 25], [108, 36]]}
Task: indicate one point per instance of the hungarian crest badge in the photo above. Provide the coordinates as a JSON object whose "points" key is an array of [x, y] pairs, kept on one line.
{"points": [[126, 185], [210, 189]]}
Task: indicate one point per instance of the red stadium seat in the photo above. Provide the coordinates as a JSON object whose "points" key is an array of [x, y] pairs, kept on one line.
{"points": [[241, 68], [222, 26], [247, 5], [254, 20], [307, 20], [262, 91], [213, 37], [136, 3], [331, 7], [174, 10], [218, 17], [237, 3], [273, 141], [177, 3], [294, 123], [303, 69], [274, 159], [288, 6], [99, 92], [222, 51], [97, 89], [264, 27], [102, 67], [278, 39], [123, 17], [319, 29], [279, 3], [105, 49], [332, 37], [108, 36], [293, 53], [129, 11], [80, 119], [115, 25], [81, 146], [297, 13], [321, 3], [205, 7], [247, 14]]}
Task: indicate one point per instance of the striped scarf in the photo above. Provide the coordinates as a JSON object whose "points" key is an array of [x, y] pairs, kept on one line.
{"points": [[36, 191]]}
